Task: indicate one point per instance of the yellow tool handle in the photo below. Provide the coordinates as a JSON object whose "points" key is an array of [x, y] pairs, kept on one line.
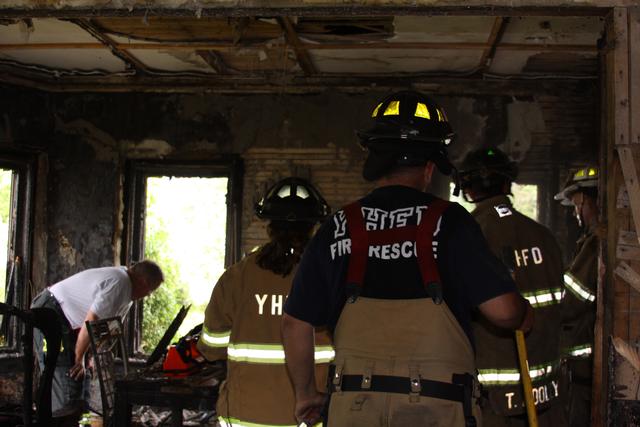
{"points": [[526, 379]]}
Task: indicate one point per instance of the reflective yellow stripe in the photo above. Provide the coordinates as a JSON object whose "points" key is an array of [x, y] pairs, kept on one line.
{"points": [[543, 297], [234, 422], [422, 111], [393, 109], [215, 339], [271, 353], [577, 288], [375, 112], [512, 376], [583, 350]]}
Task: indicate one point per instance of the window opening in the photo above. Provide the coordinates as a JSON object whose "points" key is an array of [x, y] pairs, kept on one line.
{"points": [[186, 217], [17, 179], [185, 233], [524, 199], [7, 290]]}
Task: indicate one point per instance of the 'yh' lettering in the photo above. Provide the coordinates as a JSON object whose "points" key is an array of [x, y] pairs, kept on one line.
{"points": [[277, 302]]}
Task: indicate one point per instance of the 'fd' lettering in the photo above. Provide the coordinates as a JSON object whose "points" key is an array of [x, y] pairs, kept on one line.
{"points": [[525, 256]]}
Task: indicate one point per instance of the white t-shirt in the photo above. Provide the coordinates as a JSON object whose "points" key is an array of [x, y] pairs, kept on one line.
{"points": [[106, 291]]}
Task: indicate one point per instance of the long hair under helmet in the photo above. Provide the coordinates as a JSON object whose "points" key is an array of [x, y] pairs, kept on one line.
{"points": [[409, 129], [485, 171], [293, 206]]}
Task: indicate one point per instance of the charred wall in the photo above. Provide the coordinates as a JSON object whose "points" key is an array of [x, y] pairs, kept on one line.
{"points": [[84, 141]]}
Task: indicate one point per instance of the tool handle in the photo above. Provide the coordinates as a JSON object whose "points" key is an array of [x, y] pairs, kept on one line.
{"points": [[526, 379]]}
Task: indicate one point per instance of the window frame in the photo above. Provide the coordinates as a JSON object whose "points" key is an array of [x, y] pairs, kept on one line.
{"points": [[20, 241], [137, 172]]}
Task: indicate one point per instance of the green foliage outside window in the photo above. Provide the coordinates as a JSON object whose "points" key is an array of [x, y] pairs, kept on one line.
{"points": [[185, 233], [6, 178], [160, 307]]}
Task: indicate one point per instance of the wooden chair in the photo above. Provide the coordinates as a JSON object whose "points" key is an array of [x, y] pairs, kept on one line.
{"points": [[107, 341]]}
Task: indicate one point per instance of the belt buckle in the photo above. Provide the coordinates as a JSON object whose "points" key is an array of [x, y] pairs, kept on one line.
{"points": [[415, 384], [366, 378], [337, 378]]}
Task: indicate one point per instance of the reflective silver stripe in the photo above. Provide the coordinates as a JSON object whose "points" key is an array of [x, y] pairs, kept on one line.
{"points": [[271, 353], [584, 350], [543, 297], [512, 376], [559, 294], [577, 288], [215, 339]]}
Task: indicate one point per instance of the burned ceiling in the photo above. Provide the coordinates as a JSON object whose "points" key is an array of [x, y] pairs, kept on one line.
{"points": [[117, 52]]}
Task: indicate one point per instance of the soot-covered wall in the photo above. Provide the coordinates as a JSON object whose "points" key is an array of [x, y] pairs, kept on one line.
{"points": [[85, 140]]}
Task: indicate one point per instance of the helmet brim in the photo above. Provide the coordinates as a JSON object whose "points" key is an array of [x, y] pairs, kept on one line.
{"points": [[564, 197]]}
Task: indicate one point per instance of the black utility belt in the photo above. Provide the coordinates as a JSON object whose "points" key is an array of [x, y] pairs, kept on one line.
{"points": [[403, 385]]}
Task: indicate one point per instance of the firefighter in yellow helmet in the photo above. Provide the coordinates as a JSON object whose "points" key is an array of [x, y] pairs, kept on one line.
{"points": [[532, 254], [395, 276], [580, 279], [242, 320]]}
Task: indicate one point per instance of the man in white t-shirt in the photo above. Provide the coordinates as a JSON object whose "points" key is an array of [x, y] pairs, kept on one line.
{"points": [[96, 293]]}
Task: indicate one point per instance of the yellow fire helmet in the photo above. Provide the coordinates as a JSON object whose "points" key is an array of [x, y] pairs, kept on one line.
{"points": [[586, 177]]}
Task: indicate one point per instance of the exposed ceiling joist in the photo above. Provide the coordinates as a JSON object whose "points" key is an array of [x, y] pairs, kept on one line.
{"points": [[300, 84], [117, 50], [305, 61], [498, 29], [309, 46], [215, 61], [561, 9]]}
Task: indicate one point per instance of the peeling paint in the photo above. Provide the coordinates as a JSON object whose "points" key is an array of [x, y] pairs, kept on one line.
{"points": [[524, 119], [148, 148], [201, 145], [66, 251], [103, 144]]}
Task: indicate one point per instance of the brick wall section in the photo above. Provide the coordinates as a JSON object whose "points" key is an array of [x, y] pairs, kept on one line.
{"points": [[336, 172]]}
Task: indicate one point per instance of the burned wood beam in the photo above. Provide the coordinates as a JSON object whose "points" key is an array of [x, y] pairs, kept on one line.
{"points": [[215, 61], [113, 46], [311, 10], [291, 36], [292, 84], [497, 31], [309, 46]]}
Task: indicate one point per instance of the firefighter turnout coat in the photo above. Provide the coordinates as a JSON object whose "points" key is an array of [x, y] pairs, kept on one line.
{"points": [[532, 253], [578, 306], [242, 326], [579, 312]]}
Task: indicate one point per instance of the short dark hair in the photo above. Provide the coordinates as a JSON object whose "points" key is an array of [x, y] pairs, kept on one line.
{"points": [[149, 270]]}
